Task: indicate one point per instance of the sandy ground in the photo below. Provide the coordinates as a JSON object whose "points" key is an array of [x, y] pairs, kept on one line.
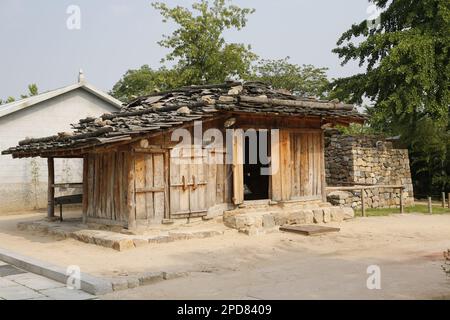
{"points": [[407, 248]]}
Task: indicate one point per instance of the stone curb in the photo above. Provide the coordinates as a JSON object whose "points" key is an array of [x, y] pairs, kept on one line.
{"points": [[89, 283], [144, 279]]}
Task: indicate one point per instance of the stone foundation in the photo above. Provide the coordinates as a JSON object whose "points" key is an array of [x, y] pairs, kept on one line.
{"points": [[266, 219], [374, 198], [74, 229]]}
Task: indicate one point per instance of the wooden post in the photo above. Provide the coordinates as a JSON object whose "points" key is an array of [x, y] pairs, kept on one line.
{"points": [[402, 209], [443, 199], [131, 205], [51, 188], [448, 200], [430, 207], [85, 187], [363, 204]]}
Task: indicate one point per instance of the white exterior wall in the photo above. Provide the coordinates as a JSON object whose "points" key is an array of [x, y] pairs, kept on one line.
{"points": [[23, 182]]}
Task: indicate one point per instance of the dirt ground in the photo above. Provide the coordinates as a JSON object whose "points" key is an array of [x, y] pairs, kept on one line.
{"points": [[407, 248]]}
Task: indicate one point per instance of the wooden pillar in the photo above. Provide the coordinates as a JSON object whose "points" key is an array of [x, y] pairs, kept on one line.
{"points": [[402, 209], [166, 185], [85, 187], [322, 163], [363, 203], [448, 199], [51, 188], [443, 199], [430, 207], [131, 201]]}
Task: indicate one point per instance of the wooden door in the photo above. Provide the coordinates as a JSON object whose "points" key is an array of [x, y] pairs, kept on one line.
{"points": [[238, 167], [188, 183], [150, 187], [301, 171], [307, 169]]}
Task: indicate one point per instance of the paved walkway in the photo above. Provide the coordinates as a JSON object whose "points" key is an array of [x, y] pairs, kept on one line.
{"points": [[17, 284]]}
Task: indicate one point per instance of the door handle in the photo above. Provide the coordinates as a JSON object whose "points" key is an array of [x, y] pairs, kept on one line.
{"points": [[194, 185], [183, 179]]}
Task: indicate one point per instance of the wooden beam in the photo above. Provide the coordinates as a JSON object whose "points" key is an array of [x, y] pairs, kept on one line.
{"points": [[443, 199], [430, 206], [166, 185], [85, 187], [322, 169], [363, 203], [51, 188], [131, 200]]}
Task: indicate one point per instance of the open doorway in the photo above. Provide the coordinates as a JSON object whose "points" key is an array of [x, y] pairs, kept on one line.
{"points": [[256, 184]]}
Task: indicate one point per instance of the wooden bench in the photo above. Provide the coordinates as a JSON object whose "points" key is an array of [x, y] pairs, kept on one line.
{"points": [[72, 199]]}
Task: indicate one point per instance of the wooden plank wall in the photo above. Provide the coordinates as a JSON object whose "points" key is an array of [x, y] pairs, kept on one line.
{"points": [[301, 164], [107, 186], [199, 180], [150, 187]]}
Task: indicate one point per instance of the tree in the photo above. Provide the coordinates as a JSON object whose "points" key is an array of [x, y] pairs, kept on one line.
{"points": [[198, 46], [406, 56], [144, 81], [32, 91], [305, 80]]}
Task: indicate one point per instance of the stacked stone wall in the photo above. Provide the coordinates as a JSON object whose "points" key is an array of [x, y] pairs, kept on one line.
{"points": [[366, 160]]}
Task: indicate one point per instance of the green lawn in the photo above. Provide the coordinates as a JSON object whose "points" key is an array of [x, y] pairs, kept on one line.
{"points": [[418, 208]]}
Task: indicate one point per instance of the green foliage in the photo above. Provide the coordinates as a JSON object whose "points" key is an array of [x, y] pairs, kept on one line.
{"points": [[201, 55], [144, 81], [32, 91], [417, 208], [429, 149], [8, 100], [305, 80], [406, 57], [198, 46], [356, 129]]}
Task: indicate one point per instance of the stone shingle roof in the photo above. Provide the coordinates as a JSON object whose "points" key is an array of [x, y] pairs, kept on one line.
{"points": [[163, 110]]}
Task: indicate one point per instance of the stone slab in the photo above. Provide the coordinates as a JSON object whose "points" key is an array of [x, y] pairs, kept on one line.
{"points": [[67, 294], [89, 283], [8, 270], [309, 230], [36, 282], [18, 292], [6, 283]]}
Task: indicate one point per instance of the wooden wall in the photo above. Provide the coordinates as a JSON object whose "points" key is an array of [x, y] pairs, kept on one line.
{"points": [[148, 181], [301, 169], [150, 186], [107, 187]]}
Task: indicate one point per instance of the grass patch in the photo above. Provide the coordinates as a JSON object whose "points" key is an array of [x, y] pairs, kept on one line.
{"points": [[418, 208]]}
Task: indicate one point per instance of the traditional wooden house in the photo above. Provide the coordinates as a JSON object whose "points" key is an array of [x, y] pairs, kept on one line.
{"points": [[137, 173]]}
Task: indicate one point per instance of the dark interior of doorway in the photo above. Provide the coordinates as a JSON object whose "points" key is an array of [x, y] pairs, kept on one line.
{"points": [[256, 185]]}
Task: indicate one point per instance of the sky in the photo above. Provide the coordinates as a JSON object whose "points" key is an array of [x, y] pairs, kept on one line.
{"points": [[116, 35]]}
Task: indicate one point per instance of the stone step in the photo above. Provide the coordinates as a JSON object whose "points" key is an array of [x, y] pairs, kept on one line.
{"points": [[114, 240]]}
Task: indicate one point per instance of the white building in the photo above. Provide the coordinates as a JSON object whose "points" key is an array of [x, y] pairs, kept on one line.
{"points": [[23, 182]]}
